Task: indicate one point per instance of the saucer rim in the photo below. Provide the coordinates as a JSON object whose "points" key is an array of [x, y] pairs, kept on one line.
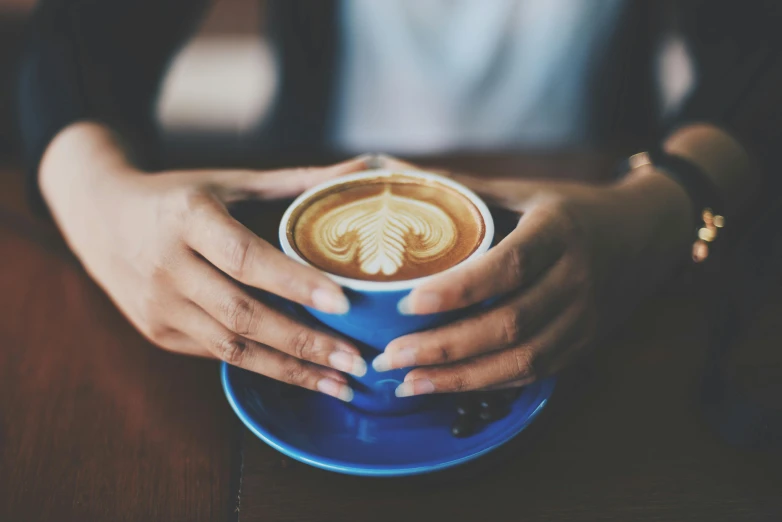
{"points": [[369, 470]]}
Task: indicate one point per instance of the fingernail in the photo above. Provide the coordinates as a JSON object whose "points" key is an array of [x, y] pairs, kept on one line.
{"points": [[404, 305], [416, 387], [384, 159], [382, 363], [330, 302], [335, 389], [370, 160], [425, 304], [348, 362], [388, 361]]}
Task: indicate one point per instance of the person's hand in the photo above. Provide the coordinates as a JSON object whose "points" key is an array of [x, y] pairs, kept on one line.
{"points": [[579, 260], [173, 260]]}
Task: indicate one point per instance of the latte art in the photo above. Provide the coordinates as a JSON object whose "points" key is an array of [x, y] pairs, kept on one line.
{"points": [[383, 230], [393, 228]]}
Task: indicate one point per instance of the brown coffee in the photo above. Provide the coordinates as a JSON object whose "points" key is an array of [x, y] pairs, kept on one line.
{"points": [[392, 228]]}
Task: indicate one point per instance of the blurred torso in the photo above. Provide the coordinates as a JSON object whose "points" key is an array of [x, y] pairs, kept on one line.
{"points": [[438, 75]]}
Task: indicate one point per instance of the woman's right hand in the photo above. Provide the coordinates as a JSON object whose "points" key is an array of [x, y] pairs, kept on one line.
{"points": [[167, 252]]}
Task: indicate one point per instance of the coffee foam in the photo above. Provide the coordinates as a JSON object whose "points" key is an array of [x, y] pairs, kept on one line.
{"points": [[387, 229]]}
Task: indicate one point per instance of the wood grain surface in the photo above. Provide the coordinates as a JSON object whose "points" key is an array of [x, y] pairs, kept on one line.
{"points": [[96, 424], [623, 438]]}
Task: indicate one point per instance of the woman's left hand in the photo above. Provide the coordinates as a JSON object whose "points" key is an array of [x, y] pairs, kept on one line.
{"points": [[580, 258]]}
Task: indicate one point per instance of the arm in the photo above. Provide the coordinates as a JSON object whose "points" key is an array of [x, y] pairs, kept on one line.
{"points": [[731, 125], [164, 247], [582, 257]]}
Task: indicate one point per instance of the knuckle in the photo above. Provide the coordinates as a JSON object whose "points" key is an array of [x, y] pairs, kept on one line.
{"points": [[515, 265], [150, 307], [294, 373], [554, 207], [194, 203], [460, 382], [240, 314], [161, 270], [157, 332], [162, 267], [443, 354], [566, 220], [511, 326], [525, 362], [231, 349], [303, 343], [463, 292], [561, 216], [433, 351], [237, 254]]}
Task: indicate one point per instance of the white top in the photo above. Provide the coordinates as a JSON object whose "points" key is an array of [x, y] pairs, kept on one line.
{"points": [[436, 75]]}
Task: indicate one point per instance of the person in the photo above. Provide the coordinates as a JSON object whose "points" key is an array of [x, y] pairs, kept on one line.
{"points": [[423, 75]]}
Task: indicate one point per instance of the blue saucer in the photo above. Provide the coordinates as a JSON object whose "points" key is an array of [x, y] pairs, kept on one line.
{"points": [[331, 435]]}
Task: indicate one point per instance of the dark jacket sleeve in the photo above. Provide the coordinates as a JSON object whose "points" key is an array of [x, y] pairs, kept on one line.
{"points": [[96, 60], [737, 52]]}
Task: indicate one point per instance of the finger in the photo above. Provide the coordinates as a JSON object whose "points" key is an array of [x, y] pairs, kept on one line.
{"points": [[238, 351], [233, 185], [535, 244], [179, 342], [504, 325], [235, 250], [505, 386], [509, 193], [513, 193], [524, 363], [254, 320], [385, 161]]}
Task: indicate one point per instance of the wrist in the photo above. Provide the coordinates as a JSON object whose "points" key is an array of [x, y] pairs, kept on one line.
{"points": [[80, 176], [77, 164], [720, 157], [658, 213]]}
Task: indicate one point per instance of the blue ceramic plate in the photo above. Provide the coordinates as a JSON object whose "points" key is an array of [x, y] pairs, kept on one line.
{"points": [[328, 434]]}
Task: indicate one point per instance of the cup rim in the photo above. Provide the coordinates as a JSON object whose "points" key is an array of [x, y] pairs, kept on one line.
{"points": [[388, 286]]}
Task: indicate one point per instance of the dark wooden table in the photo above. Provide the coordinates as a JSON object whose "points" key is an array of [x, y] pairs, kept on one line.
{"points": [[96, 424]]}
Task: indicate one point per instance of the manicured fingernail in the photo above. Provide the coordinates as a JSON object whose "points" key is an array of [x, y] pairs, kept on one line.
{"points": [[371, 160], [382, 160], [424, 304], [404, 306], [382, 363], [330, 302], [335, 389], [388, 360], [348, 362], [416, 387]]}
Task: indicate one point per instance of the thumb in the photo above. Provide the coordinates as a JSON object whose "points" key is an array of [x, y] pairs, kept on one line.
{"points": [[508, 193], [234, 185], [384, 161]]}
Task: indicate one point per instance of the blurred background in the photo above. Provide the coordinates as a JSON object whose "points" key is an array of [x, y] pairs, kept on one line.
{"points": [[13, 14], [220, 84]]}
